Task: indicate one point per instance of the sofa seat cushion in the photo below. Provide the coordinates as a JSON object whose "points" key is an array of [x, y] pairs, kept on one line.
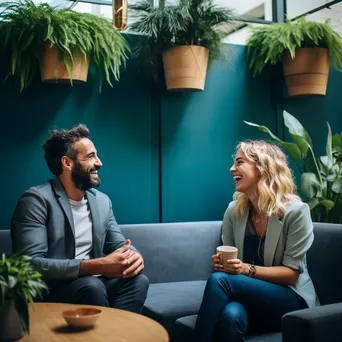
{"points": [[183, 331], [167, 302]]}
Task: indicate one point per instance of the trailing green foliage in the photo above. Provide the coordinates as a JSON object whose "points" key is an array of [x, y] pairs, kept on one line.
{"points": [[268, 43], [21, 282], [190, 22], [321, 178], [25, 27]]}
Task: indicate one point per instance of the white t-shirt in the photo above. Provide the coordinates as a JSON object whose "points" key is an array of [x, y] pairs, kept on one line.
{"points": [[83, 228]]}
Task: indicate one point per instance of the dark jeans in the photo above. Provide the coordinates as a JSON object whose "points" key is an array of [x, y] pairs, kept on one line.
{"points": [[126, 294], [234, 303]]}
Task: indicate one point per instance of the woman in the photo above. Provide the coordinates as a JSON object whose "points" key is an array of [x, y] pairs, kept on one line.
{"points": [[272, 230]]}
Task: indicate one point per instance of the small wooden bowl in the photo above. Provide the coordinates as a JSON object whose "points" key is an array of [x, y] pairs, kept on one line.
{"points": [[82, 317]]}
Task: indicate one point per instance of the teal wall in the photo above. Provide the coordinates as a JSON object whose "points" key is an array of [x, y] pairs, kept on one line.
{"points": [[199, 135], [165, 156], [122, 126]]}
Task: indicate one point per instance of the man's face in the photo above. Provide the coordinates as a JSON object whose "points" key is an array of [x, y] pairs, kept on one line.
{"points": [[84, 172]]}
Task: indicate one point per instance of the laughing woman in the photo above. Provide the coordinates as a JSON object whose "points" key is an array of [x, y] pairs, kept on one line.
{"points": [[272, 229]]}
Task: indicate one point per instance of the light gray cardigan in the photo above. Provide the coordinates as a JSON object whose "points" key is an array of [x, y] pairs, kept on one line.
{"points": [[288, 238]]}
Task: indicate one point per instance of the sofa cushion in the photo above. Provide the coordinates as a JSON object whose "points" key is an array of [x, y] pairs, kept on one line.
{"points": [[183, 331], [5, 242], [324, 259], [175, 251], [167, 302]]}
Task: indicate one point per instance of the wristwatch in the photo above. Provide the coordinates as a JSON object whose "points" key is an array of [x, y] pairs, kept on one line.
{"points": [[251, 270]]}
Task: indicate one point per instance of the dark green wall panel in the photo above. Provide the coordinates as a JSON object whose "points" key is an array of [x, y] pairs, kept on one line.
{"points": [[199, 135]]}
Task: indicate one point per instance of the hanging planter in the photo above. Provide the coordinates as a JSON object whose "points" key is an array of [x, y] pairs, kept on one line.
{"points": [[185, 67], [307, 73], [54, 70], [306, 49], [81, 39], [180, 39]]}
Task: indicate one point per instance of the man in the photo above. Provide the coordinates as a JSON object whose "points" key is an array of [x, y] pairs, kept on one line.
{"points": [[69, 230]]}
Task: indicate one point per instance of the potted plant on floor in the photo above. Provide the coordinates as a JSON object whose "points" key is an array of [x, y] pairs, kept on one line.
{"points": [[183, 37], [20, 283], [63, 41], [304, 47], [321, 177]]}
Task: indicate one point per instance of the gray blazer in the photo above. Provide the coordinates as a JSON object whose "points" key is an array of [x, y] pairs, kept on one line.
{"points": [[288, 238], [42, 227]]}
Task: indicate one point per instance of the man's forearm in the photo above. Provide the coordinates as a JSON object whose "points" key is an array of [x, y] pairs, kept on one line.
{"points": [[93, 266]]}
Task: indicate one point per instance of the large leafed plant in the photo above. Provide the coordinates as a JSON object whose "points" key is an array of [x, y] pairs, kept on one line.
{"points": [[20, 282], [268, 43], [190, 22], [25, 27], [321, 177]]}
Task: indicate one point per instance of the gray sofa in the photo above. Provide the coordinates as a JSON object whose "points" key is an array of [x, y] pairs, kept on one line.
{"points": [[178, 262]]}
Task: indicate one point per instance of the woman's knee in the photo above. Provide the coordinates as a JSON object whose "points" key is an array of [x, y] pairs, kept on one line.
{"points": [[233, 323], [220, 278], [234, 312]]}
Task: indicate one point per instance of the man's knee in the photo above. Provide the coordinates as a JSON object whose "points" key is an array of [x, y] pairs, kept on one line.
{"points": [[92, 291], [141, 283]]}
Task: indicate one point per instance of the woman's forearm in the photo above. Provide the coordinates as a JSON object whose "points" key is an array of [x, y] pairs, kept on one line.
{"points": [[275, 274]]}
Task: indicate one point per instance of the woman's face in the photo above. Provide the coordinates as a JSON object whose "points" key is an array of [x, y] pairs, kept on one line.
{"points": [[245, 174]]}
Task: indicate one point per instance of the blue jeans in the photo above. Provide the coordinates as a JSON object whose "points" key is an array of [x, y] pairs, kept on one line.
{"points": [[234, 303]]}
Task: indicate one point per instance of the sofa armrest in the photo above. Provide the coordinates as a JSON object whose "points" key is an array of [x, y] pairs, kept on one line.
{"points": [[319, 324]]}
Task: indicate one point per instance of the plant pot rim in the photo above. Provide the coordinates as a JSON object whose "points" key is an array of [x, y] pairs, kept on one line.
{"points": [[186, 45]]}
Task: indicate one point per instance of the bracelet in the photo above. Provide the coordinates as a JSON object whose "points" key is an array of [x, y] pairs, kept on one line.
{"points": [[251, 270]]}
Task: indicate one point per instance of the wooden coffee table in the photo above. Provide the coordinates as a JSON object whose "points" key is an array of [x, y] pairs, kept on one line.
{"points": [[47, 324]]}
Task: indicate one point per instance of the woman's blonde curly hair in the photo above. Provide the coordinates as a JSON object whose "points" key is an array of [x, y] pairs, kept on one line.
{"points": [[276, 188]]}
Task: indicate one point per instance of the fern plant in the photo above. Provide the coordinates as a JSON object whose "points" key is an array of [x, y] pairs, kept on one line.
{"points": [[25, 27], [268, 43], [190, 22]]}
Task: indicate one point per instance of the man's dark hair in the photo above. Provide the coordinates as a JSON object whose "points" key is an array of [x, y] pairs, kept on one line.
{"points": [[61, 143]]}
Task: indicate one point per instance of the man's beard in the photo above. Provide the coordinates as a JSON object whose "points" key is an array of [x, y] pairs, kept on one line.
{"points": [[82, 178]]}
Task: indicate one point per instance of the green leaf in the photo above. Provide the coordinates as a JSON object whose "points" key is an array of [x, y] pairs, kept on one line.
{"points": [[297, 132], [327, 165], [12, 281], [312, 203], [336, 141], [329, 146], [337, 186], [310, 184], [293, 149], [327, 204]]}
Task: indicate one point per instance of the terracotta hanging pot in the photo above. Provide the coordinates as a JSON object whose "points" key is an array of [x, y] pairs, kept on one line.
{"points": [[307, 73], [185, 67], [10, 325], [53, 70]]}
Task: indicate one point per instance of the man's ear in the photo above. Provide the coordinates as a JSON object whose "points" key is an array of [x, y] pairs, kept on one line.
{"points": [[67, 163]]}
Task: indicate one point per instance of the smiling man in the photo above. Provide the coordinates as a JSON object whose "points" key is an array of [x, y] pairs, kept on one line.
{"points": [[69, 230]]}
